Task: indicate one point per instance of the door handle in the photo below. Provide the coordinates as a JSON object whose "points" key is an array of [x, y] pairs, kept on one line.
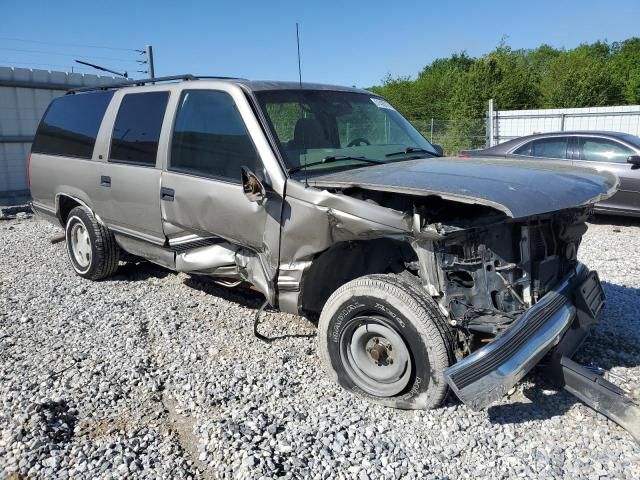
{"points": [[167, 194], [105, 181]]}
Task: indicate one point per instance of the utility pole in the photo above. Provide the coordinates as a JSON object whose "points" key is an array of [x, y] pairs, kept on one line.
{"points": [[151, 71]]}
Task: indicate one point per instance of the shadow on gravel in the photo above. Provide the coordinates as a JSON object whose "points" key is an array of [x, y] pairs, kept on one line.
{"points": [[546, 403], [613, 343], [56, 420], [242, 295], [139, 271], [615, 220]]}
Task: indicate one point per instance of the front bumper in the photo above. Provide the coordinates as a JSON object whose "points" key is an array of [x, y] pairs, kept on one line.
{"points": [[569, 310]]}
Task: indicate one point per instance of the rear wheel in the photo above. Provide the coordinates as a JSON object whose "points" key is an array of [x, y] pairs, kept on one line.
{"points": [[384, 338], [91, 247]]}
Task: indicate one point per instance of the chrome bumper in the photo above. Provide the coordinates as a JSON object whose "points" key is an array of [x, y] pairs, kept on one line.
{"points": [[487, 374]]}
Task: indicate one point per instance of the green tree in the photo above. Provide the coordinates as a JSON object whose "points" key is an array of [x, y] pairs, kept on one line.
{"points": [[581, 78], [625, 63], [434, 87], [455, 90]]}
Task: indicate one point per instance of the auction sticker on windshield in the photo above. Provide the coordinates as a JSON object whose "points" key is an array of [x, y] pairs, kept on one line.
{"points": [[380, 103]]}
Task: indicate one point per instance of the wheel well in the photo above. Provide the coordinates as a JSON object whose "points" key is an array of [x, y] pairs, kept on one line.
{"points": [[65, 205], [346, 261]]}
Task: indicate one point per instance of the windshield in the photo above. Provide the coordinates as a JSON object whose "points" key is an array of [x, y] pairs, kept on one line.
{"points": [[313, 126]]}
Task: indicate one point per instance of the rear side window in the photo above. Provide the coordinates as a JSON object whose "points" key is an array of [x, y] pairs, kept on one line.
{"points": [[210, 138], [546, 148], [137, 128], [70, 125]]}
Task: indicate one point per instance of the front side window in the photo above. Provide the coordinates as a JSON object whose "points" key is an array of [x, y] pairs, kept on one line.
{"points": [[71, 123], [137, 129], [545, 148], [603, 150], [312, 126], [210, 138]]}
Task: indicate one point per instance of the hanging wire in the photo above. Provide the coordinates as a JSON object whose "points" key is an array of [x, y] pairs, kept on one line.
{"points": [[67, 54], [71, 44], [16, 63]]}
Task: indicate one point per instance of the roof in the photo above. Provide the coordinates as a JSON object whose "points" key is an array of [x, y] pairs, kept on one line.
{"points": [[260, 85], [534, 136], [575, 132], [506, 146], [253, 85]]}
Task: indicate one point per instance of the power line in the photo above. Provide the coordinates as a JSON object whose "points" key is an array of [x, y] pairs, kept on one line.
{"points": [[28, 65], [67, 54], [69, 44]]}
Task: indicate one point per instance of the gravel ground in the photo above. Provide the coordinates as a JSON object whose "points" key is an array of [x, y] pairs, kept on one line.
{"points": [[157, 375]]}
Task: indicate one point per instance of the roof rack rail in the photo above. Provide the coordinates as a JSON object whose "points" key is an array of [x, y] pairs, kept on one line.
{"points": [[144, 81]]}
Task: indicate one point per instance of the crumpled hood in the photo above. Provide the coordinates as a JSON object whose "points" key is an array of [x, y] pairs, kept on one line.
{"points": [[518, 188]]}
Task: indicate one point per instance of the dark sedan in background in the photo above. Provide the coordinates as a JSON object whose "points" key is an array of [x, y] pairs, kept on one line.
{"points": [[614, 152]]}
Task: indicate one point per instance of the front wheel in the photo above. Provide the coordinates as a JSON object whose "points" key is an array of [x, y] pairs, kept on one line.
{"points": [[385, 339]]}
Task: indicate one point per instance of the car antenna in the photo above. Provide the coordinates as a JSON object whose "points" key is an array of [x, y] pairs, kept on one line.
{"points": [[304, 137]]}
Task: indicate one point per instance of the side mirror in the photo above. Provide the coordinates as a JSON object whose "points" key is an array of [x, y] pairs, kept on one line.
{"points": [[252, 186], [634, 160], [438, 149]]}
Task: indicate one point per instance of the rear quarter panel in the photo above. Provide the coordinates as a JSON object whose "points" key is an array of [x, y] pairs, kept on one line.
{"points": [[51, 175]]}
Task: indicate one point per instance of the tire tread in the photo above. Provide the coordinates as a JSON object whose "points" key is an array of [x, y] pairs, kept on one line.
{"points": [[105, 250], [424, 309]]}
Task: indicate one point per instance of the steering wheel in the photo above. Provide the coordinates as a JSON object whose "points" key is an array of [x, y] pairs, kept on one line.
{"points": [[358, 141]]}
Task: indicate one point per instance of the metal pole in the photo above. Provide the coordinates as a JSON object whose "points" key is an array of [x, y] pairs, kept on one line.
{"points": [[490, 122], [431, 129], [562, 122], [151, 72]]}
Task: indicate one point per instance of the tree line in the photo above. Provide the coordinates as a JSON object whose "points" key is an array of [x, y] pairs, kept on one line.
{"points": [[458, 88]]}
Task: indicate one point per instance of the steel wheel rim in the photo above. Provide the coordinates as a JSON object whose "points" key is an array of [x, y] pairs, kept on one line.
{"points": [[375, 356], [80, 245]]}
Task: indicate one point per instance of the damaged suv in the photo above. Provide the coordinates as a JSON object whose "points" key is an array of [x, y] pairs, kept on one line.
{"points": [[425, 273]]}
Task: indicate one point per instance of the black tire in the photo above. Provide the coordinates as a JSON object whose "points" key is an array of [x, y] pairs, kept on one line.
{"points": [[372, 304], [102, 251]]}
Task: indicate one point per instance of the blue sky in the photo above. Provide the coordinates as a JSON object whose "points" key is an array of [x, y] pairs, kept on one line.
{"points": [[348, 42]]}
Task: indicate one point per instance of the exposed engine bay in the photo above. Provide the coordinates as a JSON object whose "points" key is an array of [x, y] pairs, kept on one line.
{"points": [[484, 268], [492, 274]]}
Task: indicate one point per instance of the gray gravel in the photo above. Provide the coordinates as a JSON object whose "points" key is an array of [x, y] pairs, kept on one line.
{"points": [[155, 374]]}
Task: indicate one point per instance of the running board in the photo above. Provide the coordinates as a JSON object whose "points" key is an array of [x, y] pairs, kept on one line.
{"points": [[600, 394]]}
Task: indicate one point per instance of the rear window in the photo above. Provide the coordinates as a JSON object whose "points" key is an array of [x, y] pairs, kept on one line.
{"points": [[555, 147], [137, 129], [70, 125]]}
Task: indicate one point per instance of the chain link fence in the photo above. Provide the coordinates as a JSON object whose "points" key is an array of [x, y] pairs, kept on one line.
{"points": [[454, 135]]}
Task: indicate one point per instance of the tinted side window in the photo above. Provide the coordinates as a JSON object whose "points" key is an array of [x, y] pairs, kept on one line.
{"points": [[71, 123], [524, 149], [602, 150], [137, 128], [210, 138], [546, 148], [550, 148]]}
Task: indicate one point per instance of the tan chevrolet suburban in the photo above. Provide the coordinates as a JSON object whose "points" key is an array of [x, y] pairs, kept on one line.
{"points": [[426, 273]]}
